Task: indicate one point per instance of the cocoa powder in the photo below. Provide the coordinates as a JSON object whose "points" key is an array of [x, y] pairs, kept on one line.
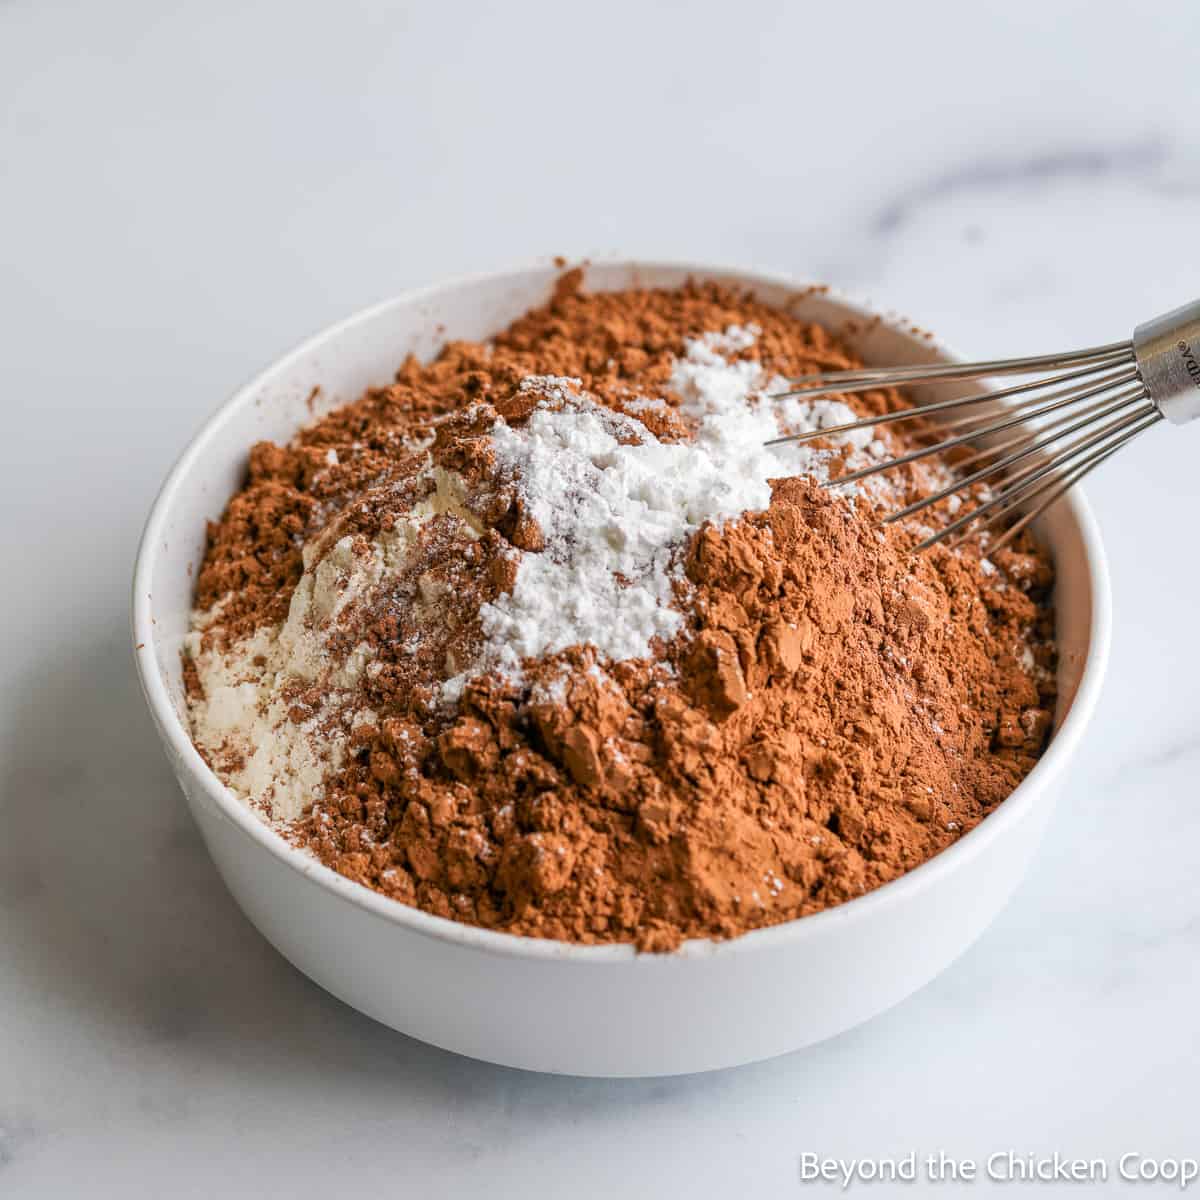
{"points": [[835, 710]]}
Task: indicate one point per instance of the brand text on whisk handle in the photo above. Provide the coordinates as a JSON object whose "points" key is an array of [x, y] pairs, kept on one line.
{"points": [[1190, 362], [1000, 1167]]}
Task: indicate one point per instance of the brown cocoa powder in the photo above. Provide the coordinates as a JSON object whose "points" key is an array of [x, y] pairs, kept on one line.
{"points": [[836, 711]]}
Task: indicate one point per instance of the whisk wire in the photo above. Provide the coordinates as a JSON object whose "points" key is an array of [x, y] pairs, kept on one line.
{"points": [[1074, 412], [1016, 492], [1095, 409], [1073, 477], [1123, 400], [908, 414], [868, 378], [998, 427]]}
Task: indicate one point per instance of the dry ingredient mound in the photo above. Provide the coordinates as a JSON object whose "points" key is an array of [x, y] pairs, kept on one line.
{"points": [[539, 637]]}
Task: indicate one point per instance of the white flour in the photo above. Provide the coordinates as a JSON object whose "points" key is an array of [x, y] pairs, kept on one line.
{"points": [[282, 761]]}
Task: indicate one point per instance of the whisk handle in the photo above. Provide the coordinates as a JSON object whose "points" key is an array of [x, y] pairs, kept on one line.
{"points": [[1167, 350]]}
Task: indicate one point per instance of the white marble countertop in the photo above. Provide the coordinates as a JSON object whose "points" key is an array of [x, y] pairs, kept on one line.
{"points": [[185, 190]]}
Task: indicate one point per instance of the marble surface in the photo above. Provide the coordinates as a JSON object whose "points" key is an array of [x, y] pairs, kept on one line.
{"points": [[188, 189]]}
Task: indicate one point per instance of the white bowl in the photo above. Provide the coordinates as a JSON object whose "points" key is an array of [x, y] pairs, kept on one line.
{"points": [[551, 1006]]}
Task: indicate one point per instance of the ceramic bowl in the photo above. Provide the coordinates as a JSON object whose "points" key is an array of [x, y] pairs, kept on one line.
{"points": [[550, 1006]]}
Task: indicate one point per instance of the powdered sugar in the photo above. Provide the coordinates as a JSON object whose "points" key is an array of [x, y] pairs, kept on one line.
{"points": [[616, 505]]}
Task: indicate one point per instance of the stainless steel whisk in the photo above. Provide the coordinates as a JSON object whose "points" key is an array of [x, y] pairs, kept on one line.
{"points": [[1100, 399]]}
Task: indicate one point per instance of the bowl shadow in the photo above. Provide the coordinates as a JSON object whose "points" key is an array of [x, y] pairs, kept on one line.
{"points": [[114, 912]]}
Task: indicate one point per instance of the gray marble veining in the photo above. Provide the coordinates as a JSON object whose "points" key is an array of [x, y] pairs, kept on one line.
{"points": [[1137, 162]]}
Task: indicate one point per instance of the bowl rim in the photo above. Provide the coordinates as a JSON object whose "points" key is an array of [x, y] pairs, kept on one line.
{"points": [[178, 740]]}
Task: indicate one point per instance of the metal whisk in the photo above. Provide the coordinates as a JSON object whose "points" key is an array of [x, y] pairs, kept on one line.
{"points": [[1096, 401]]}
